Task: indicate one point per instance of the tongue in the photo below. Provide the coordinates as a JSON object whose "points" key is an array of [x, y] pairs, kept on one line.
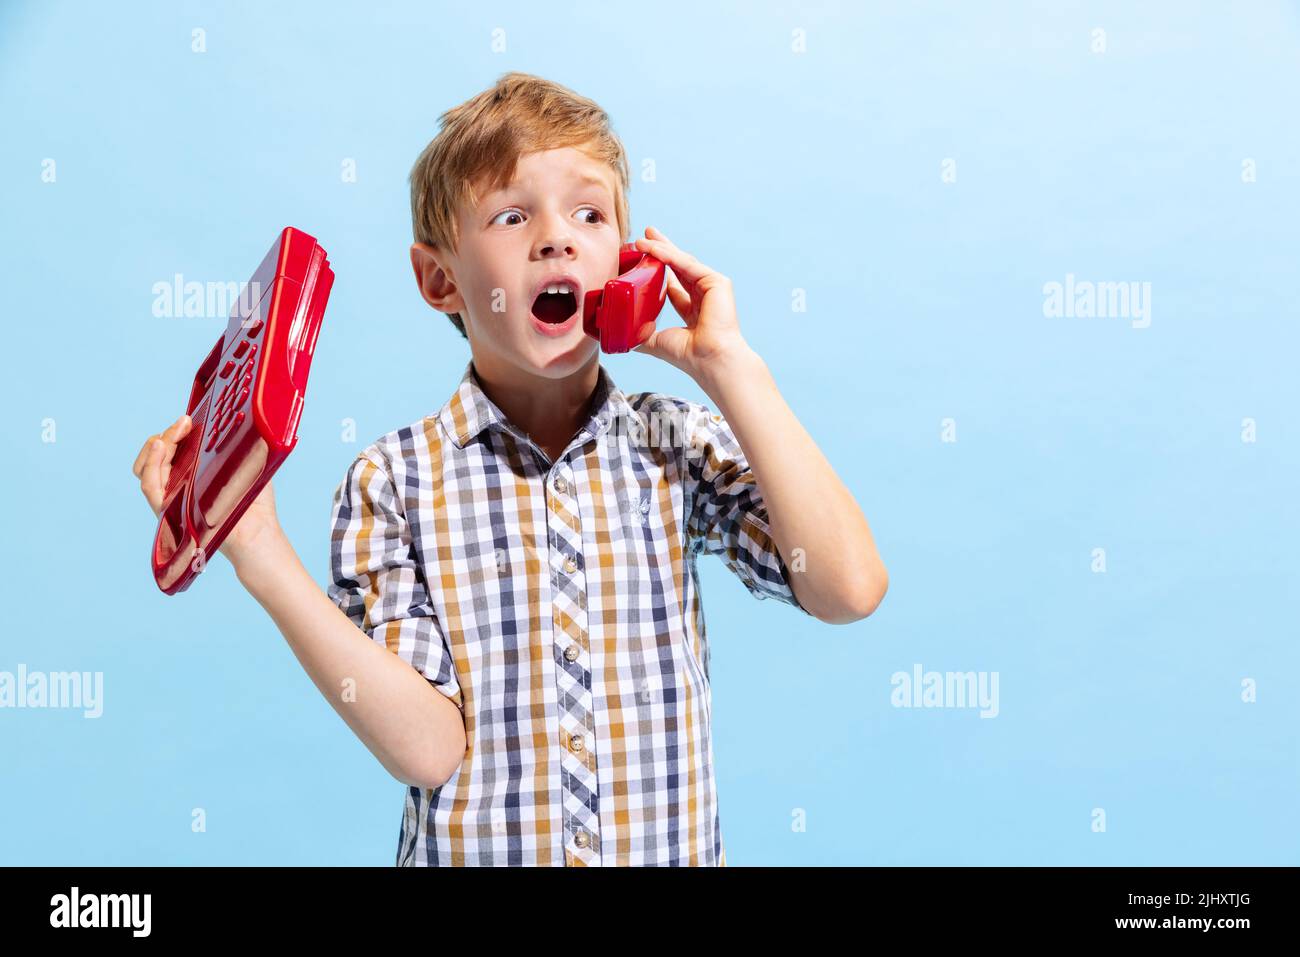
{"points": [[554, 307]]}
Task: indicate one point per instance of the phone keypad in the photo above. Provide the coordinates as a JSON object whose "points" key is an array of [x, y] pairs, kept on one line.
{"points": [[227, 414]]}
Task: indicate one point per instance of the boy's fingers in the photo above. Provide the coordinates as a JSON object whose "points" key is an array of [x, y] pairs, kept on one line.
{"points": [[683, 278], [691, 269], [687, 267], [138, 466], [176, 429], [678, 296], [172, 436], [149, 476]]}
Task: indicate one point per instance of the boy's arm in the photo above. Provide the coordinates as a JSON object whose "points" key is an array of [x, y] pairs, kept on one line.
{"points": [[808, 507], [416, 733], [843, 578]]}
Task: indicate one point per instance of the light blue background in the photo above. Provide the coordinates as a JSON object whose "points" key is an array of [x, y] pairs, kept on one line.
{"points": [[818, 171]]}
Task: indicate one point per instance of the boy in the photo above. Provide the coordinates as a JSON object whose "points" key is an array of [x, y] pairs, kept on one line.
{"points": [[513, 589]]}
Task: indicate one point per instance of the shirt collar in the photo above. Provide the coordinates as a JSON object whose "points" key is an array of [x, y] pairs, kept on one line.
{"points": [[469, 410]]}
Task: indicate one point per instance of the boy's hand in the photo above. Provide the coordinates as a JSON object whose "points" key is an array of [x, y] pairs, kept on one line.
{"points": [[703, 298], [153, 467]]}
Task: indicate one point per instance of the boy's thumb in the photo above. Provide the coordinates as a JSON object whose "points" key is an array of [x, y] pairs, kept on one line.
{"points": [[651, 346]]}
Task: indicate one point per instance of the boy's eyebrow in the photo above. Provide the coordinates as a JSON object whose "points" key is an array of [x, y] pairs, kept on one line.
{"points": [[590, 179]]}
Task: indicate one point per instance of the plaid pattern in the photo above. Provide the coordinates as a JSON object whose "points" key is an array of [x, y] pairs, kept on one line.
{"points": [[557, 604]]}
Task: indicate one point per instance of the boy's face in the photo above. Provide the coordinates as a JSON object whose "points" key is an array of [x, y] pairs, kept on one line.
{"points": [[556, 219]]}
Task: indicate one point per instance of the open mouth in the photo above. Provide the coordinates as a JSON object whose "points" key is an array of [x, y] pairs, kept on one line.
{"points": [[556, 304]]}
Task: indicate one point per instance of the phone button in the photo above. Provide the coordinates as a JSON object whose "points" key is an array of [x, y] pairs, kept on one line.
{"points": [[254, 328], [227, 368], [234, 427], [241, 348]]}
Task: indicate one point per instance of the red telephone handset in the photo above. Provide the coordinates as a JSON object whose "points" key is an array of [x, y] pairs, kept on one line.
{"points": [[245, 404], [616, 315]]}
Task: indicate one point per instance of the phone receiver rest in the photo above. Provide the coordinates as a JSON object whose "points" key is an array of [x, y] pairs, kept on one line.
{"points": [[617, 315]]}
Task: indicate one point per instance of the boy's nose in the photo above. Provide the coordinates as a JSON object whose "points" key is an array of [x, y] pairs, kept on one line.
{"points": [[554, 238], [549, 249]]}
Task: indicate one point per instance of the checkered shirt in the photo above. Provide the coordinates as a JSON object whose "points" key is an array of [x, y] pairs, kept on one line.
{"points": [[557, 604]]}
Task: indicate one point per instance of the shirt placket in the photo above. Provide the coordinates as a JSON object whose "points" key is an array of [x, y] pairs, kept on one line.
{"points": [[576, 742]]}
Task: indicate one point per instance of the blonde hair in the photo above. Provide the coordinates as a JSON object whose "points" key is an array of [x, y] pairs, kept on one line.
{"points": [[480, 141]]}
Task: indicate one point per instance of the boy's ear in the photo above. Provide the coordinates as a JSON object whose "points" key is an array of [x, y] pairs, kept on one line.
{"points": [[438, 289]]}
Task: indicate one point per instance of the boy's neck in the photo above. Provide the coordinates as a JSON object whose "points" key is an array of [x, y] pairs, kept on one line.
{"points": [[549, 411]]}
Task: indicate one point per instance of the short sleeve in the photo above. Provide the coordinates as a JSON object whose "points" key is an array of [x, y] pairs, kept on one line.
{"points": [[377, 580], [728, 516]]}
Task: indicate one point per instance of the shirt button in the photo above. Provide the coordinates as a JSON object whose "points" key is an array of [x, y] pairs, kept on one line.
{"points": [[580, 839], [561, 486], [570, 565], [571, 653], [575, 743]]}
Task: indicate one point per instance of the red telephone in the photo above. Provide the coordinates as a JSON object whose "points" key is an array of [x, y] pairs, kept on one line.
{"points": [[245, 404], [616, 315]]}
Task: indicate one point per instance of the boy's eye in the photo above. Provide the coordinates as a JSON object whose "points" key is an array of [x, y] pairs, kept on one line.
{"points": [[600, 217]]}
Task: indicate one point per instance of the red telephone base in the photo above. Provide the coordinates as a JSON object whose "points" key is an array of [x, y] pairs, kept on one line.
{"points": [[245, 404]]}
